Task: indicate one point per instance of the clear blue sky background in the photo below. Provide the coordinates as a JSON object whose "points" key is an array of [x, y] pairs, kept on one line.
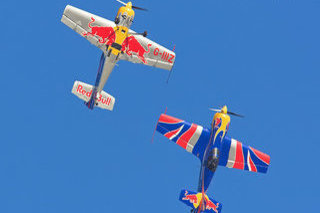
{"points": [[261, 58]]}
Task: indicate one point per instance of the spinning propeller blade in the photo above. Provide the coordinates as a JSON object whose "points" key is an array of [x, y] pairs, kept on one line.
{"points": [[215, 110], [139, 8], [230, 113], [121, 2], [134, 7], [235, 114]]}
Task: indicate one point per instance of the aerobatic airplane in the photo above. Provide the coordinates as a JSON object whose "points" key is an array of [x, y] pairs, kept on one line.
{"points": [[117, 42], [213, 148]]}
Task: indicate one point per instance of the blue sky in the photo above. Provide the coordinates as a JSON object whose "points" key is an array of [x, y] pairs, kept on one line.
{"points": [[261, 58]]}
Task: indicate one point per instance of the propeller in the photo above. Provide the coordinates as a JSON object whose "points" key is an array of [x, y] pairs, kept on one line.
{"points": [[139, 8], [228, 112], [235, 114], [215, 110], [121, 2], [134, 7]]}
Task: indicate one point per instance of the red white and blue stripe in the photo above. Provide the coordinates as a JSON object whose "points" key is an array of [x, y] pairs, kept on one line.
{"points": [[188, 136], [236, 155]]}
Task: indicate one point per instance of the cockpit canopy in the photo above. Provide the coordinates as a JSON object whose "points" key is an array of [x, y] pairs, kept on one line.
{"points": [[124, 20], [125, 16]]}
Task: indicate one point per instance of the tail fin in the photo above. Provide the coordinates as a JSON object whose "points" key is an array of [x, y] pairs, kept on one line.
{"points": [[85, 91], [194, 200]]}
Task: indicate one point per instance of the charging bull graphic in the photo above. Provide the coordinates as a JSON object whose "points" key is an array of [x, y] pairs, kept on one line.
{"points": [[196, 199], [106, 34], [191, 197], [131, 44], [211, 206]]}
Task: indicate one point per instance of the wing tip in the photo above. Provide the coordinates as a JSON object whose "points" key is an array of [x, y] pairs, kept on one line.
{"points": [[164, 118]]}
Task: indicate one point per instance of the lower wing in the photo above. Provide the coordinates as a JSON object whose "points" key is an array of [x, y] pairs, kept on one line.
{"points": [[192, 137], [233, 154]]}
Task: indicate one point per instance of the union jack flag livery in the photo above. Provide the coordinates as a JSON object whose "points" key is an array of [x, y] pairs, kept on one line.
{"points": [[191, 137], [214, 148], [236, 155]]}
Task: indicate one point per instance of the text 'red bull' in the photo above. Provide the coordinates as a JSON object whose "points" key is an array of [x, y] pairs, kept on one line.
{"points": [[131, 44], [105, 34], [100, 99]]}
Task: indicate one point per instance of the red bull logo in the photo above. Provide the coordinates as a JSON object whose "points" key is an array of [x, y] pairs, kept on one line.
{"points": [[106, 34], [211, 206], [100, 98], [191, 197], [131, 44]]}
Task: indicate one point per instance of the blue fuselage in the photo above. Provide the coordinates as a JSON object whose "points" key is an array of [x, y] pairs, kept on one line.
{"points": [[213, 146]]}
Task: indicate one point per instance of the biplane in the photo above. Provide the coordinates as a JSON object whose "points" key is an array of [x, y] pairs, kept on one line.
{"points": [[117, 42], [214, 148]]}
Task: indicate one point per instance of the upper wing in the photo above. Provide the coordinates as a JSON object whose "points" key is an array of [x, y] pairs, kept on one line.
{"points": [[192, 137], [234, 154], [139, 49], [99, 31]]}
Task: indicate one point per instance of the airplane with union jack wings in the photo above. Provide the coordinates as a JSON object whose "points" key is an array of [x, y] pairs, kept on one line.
{"points": [[214, 148], [117, 42]]}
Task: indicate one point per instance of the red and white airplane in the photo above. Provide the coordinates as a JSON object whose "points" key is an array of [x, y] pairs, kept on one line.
{"points": [[117, 42]]}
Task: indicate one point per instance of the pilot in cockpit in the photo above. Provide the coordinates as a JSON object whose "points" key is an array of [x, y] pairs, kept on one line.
{"points": [[124, 20]]}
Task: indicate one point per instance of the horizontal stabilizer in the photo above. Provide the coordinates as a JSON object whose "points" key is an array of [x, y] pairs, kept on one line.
{"points": [[194, 200], [84, 92]]}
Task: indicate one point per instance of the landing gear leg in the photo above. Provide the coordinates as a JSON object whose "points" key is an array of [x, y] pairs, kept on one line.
{"points": [[109, 52]]}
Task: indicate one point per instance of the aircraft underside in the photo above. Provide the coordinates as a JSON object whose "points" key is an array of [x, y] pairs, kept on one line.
{"points": [[106, 65]]}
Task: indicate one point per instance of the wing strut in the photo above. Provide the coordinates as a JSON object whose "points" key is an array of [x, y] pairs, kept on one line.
{"points": [[174, 47], [169, 76]]}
